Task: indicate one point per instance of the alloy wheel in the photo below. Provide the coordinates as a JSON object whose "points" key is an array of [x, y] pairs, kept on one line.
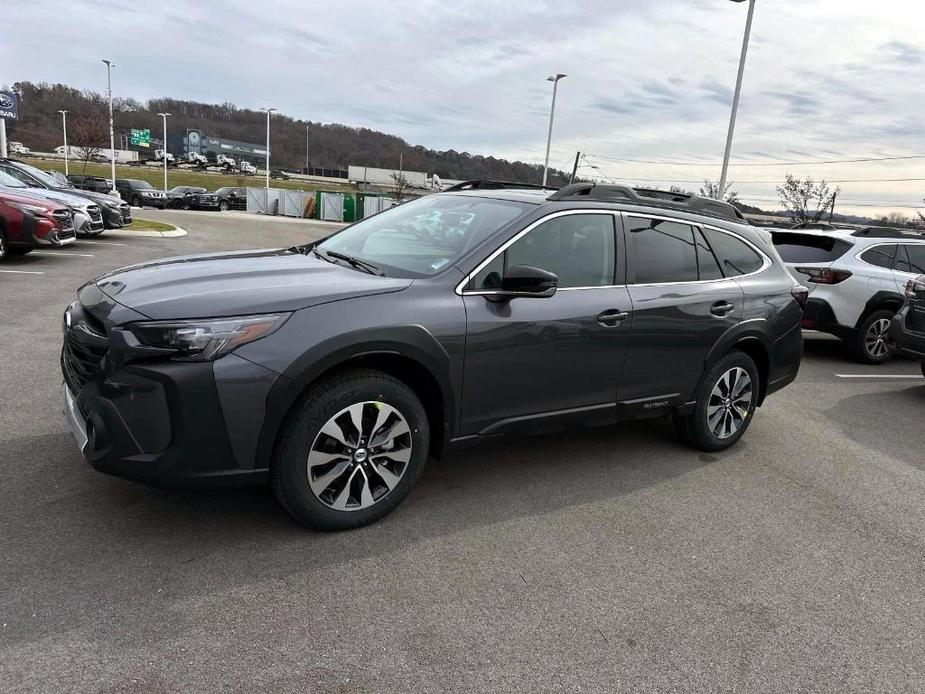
{"points": [[359, 456], [730, 401], [875, 340], [3, 249]]}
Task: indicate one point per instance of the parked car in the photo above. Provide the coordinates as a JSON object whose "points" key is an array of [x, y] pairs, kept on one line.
{"points": [[115, 213], [180, 196], [335, 368], [907, 329], [231, 198], [138, 193], [276, 173], [94, 184], [87, 216], [28, 222], [856, 279]]}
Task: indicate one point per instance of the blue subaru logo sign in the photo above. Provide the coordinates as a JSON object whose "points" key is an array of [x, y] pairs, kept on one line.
{"points": [[8, 106]]}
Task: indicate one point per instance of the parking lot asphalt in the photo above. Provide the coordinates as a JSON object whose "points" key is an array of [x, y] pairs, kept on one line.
{"points": [[602, 560]]}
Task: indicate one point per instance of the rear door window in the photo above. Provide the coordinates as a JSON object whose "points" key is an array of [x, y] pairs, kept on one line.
{"points": [[901, 263], [809, 248], [916, 258], [881, 256], [735, 256], [664, 251], [707, 263]]}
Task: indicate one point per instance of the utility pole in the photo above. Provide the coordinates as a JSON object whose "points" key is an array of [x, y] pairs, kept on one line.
{"points": [[735, 97], [112, 138], [64, 126], [164, 153], [832, 209], [552, 113], [401, 163], [3, 137], [269, 111], [306, 148], [574, 168]]}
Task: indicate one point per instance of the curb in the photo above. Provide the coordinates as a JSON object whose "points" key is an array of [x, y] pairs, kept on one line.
{"points": [[172, 234]]}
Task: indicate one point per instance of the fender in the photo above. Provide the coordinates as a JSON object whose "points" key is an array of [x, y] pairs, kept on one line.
{"points": [[411, 341], [882, 299], [755, 328]]}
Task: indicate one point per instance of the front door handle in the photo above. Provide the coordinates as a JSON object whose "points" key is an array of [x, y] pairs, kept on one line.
{"points": [[722, 308], [611, 318]]}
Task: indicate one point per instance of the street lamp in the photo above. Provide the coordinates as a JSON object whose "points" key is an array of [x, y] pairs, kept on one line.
{"points": [[268, 111], [112, 139], [64, 126], [735, 99], [164, 153], [552, 112]]}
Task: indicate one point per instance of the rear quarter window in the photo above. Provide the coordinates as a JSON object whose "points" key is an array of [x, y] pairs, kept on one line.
{"points": [[735, 256], [880, 256], [808, 248]]}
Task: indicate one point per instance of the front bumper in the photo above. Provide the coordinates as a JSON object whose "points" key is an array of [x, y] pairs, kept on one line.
{"points": [[907, 341], [149, 201], [116, 217], [157, 421]]}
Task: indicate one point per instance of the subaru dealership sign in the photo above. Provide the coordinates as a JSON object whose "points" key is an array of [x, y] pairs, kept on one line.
{"points": [[9, 105]]}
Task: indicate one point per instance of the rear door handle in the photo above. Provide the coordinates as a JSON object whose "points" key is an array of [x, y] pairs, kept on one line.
{"points": [[721, 308], [611, 318]]}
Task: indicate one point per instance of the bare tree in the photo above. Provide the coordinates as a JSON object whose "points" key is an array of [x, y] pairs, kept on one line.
{"points": [[88, 130], [710, 189], [401, 185], [896, 219], [805, 199]]}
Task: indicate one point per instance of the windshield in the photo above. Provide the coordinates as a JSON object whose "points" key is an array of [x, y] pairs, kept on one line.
{"points": [[8, 181], [45, 178], [141, 185], [425, 236], [224, 191]]}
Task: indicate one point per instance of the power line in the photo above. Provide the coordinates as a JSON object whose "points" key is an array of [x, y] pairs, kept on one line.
{"points": [[802, 162]]}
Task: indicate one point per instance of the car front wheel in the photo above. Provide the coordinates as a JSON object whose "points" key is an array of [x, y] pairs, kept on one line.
{"points": [[351, 450], [726, 398], [223, 206]]}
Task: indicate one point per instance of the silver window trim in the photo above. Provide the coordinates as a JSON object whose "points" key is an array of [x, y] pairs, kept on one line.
{"points": [[897, 242], [523, 232], [765, 264]]}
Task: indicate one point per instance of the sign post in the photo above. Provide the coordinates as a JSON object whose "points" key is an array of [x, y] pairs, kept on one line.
{"points": [[9, 108]]}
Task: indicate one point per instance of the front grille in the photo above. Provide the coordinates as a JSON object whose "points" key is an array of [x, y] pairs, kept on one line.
{"points": [[95, 213], [126, 213], [81, 357], [64, 219], [63, 234]]}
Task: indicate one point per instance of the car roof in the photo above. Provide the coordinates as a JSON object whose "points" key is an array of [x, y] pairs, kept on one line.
{"points": [[867, 236]]}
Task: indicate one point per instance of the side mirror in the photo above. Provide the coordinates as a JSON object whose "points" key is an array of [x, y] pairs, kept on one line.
{"points": [[528, 282]]}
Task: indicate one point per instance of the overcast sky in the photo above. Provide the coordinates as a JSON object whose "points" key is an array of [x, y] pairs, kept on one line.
{"points": [[647, 80]]}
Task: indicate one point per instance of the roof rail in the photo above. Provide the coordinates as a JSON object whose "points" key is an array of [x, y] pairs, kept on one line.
{"points": [[646, 196], [887, 232], [484, 184]]}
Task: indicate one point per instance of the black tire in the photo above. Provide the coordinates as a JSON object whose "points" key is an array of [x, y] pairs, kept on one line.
{"points": [[136, 201], [4, 246], [695, 429], [864, 346], [302, 432], [223, 206]]}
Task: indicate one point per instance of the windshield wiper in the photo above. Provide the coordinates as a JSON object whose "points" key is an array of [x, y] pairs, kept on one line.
{"points": [[355, 262]]}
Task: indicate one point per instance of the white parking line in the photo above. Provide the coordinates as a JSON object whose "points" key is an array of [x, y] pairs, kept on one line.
{"points": [[78, 255], [878, 376], [23, 272], [102, 243]]}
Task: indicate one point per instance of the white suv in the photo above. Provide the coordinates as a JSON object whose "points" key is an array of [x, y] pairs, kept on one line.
{"points": [[856, 279]]}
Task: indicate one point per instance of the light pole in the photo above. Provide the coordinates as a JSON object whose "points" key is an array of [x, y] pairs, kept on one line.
{"points": [[552, 112], [64, 126], [735, 98], [268, 111], [164, 153], [112, 139]]}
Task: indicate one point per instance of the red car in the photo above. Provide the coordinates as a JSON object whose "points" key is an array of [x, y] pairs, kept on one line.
{"points": [[27, 222]]}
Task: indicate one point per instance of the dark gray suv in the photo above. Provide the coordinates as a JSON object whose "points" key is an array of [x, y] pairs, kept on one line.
{"points": [[335, 369]]}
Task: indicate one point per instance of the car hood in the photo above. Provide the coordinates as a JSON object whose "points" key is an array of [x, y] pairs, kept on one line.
{"points": [[100, 198], [238, 283], [57, 196]]}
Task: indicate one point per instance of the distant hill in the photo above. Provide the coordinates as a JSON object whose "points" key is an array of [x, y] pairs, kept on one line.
{"points": [[329, 144]]}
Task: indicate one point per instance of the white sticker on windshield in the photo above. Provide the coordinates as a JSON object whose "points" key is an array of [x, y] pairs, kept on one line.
{"points": [[440, 263]]}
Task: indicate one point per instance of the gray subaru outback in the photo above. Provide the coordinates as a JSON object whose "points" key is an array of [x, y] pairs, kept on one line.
{"points": [[334, 370]]}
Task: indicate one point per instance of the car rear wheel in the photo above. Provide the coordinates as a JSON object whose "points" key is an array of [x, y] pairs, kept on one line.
{"points": [[4, 248], [726, 398], [351, 450], [871, 344]]}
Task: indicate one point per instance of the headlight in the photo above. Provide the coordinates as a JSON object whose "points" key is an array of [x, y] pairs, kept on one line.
{"points": [[205, 340], [26, 207]]}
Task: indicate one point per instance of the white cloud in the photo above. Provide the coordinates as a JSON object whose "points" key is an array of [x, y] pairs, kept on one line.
{"points": [[646, 80]]}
